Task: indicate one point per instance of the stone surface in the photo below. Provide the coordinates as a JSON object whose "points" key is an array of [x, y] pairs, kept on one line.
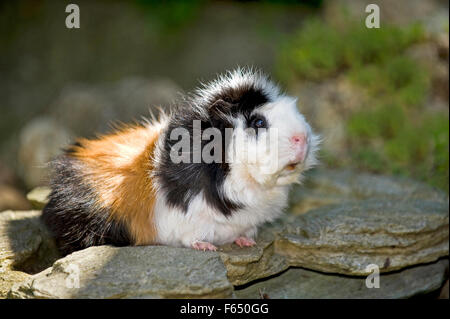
{"points": [[125, 100], [302, 283], [327, 186], [248, 264], [130, 272], [38, 197], [345, 238], [40, 140], [11, 198], [25, 244], [8, 278]]}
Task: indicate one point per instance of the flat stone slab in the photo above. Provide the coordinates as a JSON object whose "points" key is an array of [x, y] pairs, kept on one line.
{"points": [[38, 197], [301, 283], [251, 263], [25, 242], [327, 186], [130, 272], [346, 238]]}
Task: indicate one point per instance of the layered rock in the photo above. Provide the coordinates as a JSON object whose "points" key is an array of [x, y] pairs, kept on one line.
{"points": [[249, 264], [25, 243], [130, 272], [302, 283], [346, 238], [25, 247], [326, 186]]}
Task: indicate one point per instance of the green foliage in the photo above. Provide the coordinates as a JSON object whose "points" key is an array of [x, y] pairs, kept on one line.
{"points": [[315, 52], [385, 139], [170, 15], [321, 50], [392, 131], [399, 80]]}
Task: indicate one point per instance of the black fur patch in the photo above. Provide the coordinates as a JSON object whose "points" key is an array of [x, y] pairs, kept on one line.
{"points": [[242, 100], [182, 182], [72, 213]]}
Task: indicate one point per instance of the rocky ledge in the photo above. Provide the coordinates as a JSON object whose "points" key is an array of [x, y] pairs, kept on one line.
{"points": [[346, 238], [130, 272], [340, 226]]}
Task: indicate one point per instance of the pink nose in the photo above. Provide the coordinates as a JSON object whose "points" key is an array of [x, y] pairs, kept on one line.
{"points": [[299, 144]]}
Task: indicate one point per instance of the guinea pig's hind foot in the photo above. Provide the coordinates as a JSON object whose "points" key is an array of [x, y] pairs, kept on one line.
{"points": [[244, 242], [203, 245]]}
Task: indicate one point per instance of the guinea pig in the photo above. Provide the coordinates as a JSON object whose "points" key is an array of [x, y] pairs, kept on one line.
{"points": [[210, 172]]}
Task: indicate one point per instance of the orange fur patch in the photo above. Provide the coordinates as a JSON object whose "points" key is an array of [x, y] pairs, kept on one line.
{"points": [[118, 167]]}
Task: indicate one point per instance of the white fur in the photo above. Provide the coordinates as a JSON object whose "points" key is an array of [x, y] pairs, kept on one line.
{"points": [[203, 223]]}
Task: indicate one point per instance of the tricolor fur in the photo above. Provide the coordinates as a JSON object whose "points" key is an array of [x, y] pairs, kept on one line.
{"points": [[124, 188]]}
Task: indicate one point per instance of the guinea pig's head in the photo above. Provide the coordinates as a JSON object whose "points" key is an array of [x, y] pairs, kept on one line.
{"points": [[267, 139]]}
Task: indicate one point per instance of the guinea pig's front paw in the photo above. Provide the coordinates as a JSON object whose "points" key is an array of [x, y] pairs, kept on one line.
{"points": [[244, 242], [203, 245]]}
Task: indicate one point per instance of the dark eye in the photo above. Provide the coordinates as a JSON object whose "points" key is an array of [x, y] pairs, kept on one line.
{"points": [[259, 122]]}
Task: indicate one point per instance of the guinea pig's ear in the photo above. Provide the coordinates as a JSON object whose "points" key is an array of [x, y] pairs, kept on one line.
{"points": [[219, 109]]}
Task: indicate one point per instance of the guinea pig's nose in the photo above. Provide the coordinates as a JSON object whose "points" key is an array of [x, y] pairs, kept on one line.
{"points": [[298, 139], [299, 144]]}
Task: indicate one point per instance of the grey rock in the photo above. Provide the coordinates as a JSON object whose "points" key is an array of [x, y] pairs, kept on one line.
{"points": [[251, 263], [346, 238], [38, 197], [83, 109], [40, 141], [327, 186], [25, 244], [8, 278], [301, 283], [130, 272], [141, 96], [126, 100]]}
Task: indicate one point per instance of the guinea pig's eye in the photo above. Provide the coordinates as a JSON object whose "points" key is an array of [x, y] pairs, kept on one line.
{"points": [[259, 122]]}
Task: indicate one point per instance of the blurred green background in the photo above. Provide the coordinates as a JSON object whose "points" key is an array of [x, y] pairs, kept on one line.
{"points": [[379, 97]]}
